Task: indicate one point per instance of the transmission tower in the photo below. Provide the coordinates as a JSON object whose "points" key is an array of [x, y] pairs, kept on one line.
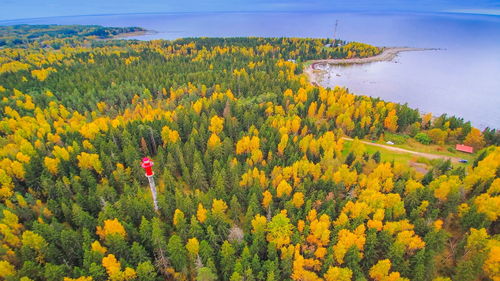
{"points": [[335, 33]]}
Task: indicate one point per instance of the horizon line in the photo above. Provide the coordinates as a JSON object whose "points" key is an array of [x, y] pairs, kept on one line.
{"points": [[496, 13]]}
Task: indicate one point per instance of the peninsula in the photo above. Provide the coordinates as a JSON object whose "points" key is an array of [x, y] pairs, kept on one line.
{"points": [[387, 54]]}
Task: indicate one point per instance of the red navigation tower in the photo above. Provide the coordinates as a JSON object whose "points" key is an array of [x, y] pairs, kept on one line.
{"points": [[147, 164]]}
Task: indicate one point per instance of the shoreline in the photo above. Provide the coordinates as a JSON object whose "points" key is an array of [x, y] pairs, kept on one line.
{"points": [[387, 54], [132, 34]]}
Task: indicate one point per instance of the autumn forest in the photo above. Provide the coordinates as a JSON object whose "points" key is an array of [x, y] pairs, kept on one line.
{"points": [[256, 177]]}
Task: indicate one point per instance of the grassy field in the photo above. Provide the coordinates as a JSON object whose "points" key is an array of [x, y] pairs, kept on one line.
{"points": [[409, 159], [386, 155], [414, 145]]}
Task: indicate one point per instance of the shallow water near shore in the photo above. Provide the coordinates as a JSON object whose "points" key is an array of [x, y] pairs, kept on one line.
{"points": [[462, 79], [427, 80]]}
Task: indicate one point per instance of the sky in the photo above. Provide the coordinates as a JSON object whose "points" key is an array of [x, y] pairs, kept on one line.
{"points": [[18, 9]]}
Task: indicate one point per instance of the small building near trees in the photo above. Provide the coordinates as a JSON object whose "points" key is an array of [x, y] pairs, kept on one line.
{"points": [[464, 148]]}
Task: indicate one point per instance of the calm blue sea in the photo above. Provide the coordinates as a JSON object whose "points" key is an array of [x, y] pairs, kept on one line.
{"points": [[463, 78]]}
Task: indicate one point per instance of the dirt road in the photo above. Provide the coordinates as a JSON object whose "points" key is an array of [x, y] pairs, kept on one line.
{"points": [[416, 153]]}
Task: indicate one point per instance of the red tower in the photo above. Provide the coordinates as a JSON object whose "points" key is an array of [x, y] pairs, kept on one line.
{"points": [[147, 164]]}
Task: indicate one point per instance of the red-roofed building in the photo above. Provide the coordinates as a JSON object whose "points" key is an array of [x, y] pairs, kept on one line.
{"points": [[464, 148]]}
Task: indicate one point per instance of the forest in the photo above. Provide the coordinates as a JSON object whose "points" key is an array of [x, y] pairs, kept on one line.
{"points": [[254, 179], [22, 34]]}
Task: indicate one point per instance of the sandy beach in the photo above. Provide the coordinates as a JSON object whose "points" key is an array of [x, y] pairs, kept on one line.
{"points": [[131, 34]]}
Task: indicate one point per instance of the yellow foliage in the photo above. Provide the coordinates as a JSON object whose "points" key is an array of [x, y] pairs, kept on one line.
{"points": [[485, 170], [279, 230], [82, 278], [216, 124], [35, 242], [111, 265], [300, 225], [488, 205], [13, 66], [252, 177], [6, 185], [219, 207], [409, 240], [283, 189], [213, 141], [492, 264], [380, 270], [376, 224], [357, 209], [423, 207], [6, 269], [131, 59], [426, 120], [475, 139], [87, 145], [494, 187], [319, 231], [312, 215], [17, 169], [89, 161], [311, 112], [111, 227], [90, 130], [198, 105], [23, 158], [10, 227], [283, 143], [394, 227], [346, 176], [42, 74], [320, 252], [129, 274], [169, 136], [113, 268], [298, 199], [341, 220], [444, 185], [97, 247], [178, 217], [247, 144], [259, 224], [299, 268], [438, 224], [61, 152], [267, 198], [193, 246], [52, 164], [412, 186], [347, 239], [391, 121], [338, 274], [201, 213]]}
